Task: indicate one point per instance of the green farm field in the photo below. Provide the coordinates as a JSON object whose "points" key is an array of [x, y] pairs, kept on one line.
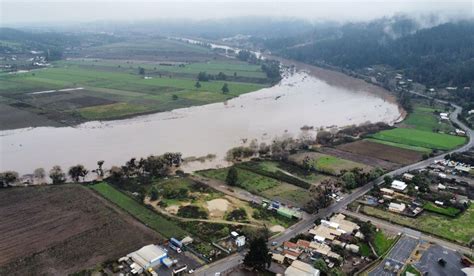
{"points": [[459, 229], [327, 163], [420, 138], [427, 119], [157, 222], [108, 92]]}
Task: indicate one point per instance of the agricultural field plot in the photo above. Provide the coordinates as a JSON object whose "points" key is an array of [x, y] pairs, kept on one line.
{"points": [[427, 119], [84, 94], [232, 69], [263, 185], [157, 222], [459, 229], [58, 230], [161, 49], [382, 151], [288, 170], [420, 138], [326, 163]]}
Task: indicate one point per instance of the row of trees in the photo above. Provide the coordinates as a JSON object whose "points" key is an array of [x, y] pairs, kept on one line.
{"points": [[57, 175], [142, 169]]}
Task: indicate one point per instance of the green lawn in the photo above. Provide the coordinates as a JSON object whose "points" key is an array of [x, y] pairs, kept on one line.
{"points": [[411, 269], [159, 223], [382, 243], [447, 211], [420, 138], [364, 249], [459, 229]]}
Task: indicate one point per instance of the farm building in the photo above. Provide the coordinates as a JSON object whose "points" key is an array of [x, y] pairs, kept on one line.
{"points": [[399, 185], [397, 207], [299, 268], [148, 256]]}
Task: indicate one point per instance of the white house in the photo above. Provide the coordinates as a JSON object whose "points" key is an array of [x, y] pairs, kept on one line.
{"points": [[399, 185]]}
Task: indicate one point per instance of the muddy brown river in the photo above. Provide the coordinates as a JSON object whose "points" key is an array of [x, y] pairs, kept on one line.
{"points": [[298, 100]]}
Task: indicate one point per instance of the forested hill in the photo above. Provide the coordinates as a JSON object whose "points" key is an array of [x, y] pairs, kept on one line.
{"points": [[437, 56]]}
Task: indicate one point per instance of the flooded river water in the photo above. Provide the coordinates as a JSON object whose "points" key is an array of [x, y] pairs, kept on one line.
{"points": [[298, 100]]}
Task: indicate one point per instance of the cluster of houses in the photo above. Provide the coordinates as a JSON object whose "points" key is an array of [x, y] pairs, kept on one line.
{"points": [[332, 232]]}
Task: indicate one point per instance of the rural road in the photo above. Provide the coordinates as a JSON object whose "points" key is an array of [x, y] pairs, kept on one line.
{"points": [[401, 229], [307, 222]]}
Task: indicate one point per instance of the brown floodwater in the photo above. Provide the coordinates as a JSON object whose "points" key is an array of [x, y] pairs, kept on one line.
{"points": [[299, 99]]}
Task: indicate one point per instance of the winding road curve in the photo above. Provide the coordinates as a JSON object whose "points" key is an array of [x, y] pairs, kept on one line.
{"points": [[307, 222]]}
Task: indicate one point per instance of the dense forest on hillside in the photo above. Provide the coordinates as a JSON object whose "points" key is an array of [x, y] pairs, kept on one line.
{"points": [[439, 56]]}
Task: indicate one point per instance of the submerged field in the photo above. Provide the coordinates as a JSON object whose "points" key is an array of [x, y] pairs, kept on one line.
{"points": [[58, 230]]}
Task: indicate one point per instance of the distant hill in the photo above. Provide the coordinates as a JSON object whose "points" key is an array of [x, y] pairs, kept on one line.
{"points": [[435, 56]]}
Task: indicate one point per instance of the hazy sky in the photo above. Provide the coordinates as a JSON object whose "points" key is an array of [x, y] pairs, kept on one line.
{"points": [[24, 11]]}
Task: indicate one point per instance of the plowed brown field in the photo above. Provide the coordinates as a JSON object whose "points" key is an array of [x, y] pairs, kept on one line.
{"points": [[381, 151], [57, 230]]}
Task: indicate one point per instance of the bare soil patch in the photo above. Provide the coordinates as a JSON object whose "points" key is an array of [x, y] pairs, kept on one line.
{"points": [[277, 228], [57, 230], [383, 152], [217, 207]]}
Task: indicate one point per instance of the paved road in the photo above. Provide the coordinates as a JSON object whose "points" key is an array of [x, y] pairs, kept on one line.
{"points": [[401, 229], [308, 221]]}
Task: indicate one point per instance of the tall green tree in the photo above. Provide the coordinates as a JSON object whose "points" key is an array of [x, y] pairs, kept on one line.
{"points": [[258, 258], [78, 171], [225, 88], [197, 85], [232, 177], [57, 175]]}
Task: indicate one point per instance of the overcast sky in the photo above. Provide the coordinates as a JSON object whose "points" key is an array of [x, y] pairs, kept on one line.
{"points": [[25, 11]]}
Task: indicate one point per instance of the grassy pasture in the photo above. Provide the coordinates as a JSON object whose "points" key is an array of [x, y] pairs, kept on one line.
{"points": [[425, 118], [159, 223], [326, 163], [113, 94], [262, 185], [459, 229], [191, 70], [420, 138]]}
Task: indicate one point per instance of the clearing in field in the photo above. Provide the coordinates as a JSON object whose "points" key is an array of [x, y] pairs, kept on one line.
{"points": [[382, 151], [459, 229], [58, 230], [420, 138], [326, 163]]}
